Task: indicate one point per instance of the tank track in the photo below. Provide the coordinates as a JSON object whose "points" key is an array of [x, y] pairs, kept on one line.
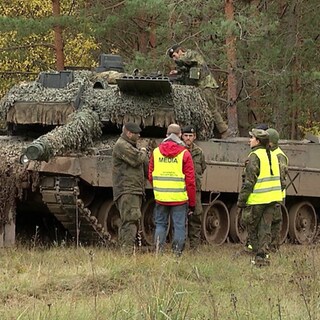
{"points": [[61, 195]]}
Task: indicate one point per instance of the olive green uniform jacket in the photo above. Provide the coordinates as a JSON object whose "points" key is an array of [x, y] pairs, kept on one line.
{"points": [[206, 82], [128, 168], [191, 59], [283, 165], [199, 163]]}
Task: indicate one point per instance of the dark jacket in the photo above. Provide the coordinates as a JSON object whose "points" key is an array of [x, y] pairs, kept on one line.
{"points": [[128, 168], [170, 148]]}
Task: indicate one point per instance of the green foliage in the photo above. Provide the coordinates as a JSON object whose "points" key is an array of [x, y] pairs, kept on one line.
{"points": [[277, 47]]}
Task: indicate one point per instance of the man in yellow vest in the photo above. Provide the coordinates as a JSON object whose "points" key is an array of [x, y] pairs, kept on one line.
{"points": [[260, 195], [283, 163], [171, 173]]}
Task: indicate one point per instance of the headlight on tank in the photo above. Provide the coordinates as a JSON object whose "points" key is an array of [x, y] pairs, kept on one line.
{"points": [[23, 159]]}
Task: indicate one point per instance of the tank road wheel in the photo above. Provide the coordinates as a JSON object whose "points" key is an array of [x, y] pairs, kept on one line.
{"points": [[285, 224], [148, 226], [237, 231], [302, 222], [109, 218], [215, 222]]}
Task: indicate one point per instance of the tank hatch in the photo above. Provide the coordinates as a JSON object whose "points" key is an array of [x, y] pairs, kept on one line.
{"points": [[144, 85]]}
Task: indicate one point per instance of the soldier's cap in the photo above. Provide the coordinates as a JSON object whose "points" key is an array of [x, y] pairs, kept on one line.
{"points": [[259, 134], [173, 49], [273, 135], [132, 127], [188, 129], [262, 126]]}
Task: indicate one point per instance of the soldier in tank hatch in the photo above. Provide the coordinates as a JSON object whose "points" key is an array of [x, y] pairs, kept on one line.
{"points": [[193, 70], [194, 220], [128, 182], [171, 173]]}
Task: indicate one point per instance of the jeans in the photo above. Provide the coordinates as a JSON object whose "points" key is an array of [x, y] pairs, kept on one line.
{"points": [[161, 218]]}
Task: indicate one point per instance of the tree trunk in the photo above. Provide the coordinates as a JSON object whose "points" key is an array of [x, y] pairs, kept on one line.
{"points": [[58, 40], [296, 71], [254, 91], [152, 38], [232, 81]]}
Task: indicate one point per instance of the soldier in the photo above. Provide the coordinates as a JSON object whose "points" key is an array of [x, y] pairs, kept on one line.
{"points": [[128, 182], [171, 172], [260, 195], [194, 220], [283, 163], [193, 70]]}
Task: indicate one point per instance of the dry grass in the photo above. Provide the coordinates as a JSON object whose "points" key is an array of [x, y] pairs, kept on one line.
{"points": [[217, 283]]}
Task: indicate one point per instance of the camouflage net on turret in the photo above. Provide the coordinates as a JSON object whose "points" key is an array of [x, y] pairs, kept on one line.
{"points": [[184, 105], [46, 105]]}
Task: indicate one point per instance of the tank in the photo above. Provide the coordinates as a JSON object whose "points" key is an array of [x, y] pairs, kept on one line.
{"points": [[57, 139]]}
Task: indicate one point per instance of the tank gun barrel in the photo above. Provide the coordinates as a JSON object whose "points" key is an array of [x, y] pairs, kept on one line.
{"points": [[82, 128]]}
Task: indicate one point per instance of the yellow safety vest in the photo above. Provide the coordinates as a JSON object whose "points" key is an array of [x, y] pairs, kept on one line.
{"points": [[276, 152], [168, 179], [267, 188]]}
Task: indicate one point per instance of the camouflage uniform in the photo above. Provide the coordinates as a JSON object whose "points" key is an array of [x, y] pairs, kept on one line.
{"points": [[194, 221], [206, 82], [257, 218], [277, 217], [128, 186]]}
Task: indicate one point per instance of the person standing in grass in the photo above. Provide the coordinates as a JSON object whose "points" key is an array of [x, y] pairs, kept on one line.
{"points": [[260, 195], [283, 163], [128, 178], [194, 220], [171, 173]]}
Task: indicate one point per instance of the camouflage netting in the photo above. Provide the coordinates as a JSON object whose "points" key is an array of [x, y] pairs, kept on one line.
{"points": [[30, 102], [12, 175], [183, 106], [40, 104], [82, 129]]}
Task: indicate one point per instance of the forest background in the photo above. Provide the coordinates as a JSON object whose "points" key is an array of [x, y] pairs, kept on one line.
{"points": [[265, 54]]}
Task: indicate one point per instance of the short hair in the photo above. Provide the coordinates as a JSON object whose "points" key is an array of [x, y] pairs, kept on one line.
{"points": [[174, 128]]}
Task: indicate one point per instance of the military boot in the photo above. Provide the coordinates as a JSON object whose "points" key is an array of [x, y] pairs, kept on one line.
{"points": [[261, 261]]}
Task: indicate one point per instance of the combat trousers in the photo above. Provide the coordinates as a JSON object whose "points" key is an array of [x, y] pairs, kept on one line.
{"points": [[161, 218], [257, 219], [276, 226], [209, 95], [129, 206], [194, 223]]}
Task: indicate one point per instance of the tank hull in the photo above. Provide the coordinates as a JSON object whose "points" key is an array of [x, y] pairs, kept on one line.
{"points": [[220, 187]]}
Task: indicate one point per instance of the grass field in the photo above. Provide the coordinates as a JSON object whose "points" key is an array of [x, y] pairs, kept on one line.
{"points": [[217, 283]]}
